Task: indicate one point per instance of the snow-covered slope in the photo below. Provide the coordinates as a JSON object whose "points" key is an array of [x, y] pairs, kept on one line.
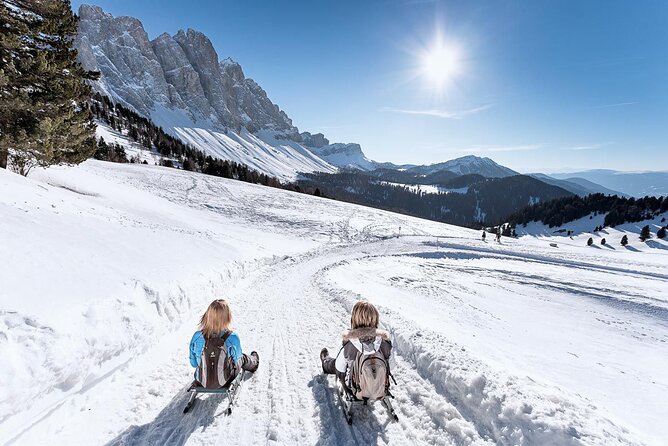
{"points": [[583, 228], [281, 158], [107, 267], [132, 148]]}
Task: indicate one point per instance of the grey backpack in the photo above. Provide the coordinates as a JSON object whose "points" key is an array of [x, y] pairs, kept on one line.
{"points": [[370, 376], [217, 369]]}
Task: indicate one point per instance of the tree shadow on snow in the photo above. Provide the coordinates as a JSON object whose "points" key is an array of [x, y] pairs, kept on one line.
{"points": [[656, 245], [172, 426], [334, 430], [631, 248]]}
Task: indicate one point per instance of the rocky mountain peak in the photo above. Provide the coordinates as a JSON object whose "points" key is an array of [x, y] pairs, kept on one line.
{"points": [[173, 78]]}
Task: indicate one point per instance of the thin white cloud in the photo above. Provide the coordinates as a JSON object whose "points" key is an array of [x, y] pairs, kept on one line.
{"points": [[619, 104], [502, 148], [438, 113], [587, 146]]}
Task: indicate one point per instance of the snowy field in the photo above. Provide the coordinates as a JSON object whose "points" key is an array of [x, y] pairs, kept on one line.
{"points": [[428, 188], [106, 269]]}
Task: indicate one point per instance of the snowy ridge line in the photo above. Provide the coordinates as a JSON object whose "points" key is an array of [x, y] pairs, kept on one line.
{"points": [[505, 409], [76, 363]]}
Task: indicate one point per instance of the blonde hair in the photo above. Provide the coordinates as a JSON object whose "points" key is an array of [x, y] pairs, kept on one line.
{"points": [[216, 318], [364, 315]]}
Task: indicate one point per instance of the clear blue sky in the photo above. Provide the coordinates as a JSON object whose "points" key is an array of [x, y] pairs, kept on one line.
{"points": [[535, 85]]}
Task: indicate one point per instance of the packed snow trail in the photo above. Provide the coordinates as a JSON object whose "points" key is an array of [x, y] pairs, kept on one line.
{"points": [[292, 267], [286, 313]]}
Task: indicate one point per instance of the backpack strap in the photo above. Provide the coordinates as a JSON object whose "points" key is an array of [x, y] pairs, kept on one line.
{"points": [[226, 335], [223, 337]]}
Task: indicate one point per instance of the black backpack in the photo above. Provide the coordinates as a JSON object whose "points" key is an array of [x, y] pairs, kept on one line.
{"points": [[217, 369]]}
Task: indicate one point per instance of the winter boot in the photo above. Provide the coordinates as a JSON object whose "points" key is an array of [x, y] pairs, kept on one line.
{"points": [[324, 354], [256, 360]]}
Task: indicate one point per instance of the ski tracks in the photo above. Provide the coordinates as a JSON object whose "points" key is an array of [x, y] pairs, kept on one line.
{"points": [[287, 312], [289, 400]]}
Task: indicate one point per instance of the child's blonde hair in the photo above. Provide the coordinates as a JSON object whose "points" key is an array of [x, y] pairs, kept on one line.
{"points": [[216, 318], [364, 315]]}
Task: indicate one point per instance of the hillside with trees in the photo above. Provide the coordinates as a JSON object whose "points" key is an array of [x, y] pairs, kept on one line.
{"points": [[174, 152], [485, 202], [618, 210]]}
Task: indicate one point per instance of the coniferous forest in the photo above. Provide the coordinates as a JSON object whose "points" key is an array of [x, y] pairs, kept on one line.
{"points": [[174, 151], [619, 210], [485, 202]]}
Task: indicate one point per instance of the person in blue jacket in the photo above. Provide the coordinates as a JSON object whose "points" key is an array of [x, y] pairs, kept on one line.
{"points": [[215, 322]]}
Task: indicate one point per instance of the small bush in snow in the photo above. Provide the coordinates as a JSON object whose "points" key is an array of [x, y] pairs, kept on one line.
{"points": [[590, 241], [603, 241], [625, 240], [645, 234]]}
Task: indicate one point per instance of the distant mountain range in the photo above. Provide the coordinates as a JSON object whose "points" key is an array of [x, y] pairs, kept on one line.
{"points": [[180, 83], [636, 184], [578, 186]]}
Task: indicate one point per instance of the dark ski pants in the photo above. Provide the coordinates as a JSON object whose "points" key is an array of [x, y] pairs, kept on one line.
{"points": [[249, 363], [329, 367]]}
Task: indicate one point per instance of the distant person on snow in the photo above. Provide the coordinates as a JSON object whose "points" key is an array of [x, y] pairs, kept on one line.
{"points": [[498, 234], [363, 345], [484, 235], [215, 348]]}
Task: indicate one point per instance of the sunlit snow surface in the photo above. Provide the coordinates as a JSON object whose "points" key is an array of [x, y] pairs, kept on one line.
{"points": [[107, 267]]}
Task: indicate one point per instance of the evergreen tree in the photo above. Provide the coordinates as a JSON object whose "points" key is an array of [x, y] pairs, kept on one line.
{"points": [[661, 233], [625, 240], [645, 233], [45, 122], [17, 63], [590, 241], [102, 151], [603, 241]]}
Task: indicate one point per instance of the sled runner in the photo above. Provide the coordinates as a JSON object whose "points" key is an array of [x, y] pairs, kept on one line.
{"points": [[230, 391], [348, 401]]}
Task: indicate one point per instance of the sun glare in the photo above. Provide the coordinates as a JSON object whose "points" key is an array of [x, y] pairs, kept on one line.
{"points": [[440, 64]]}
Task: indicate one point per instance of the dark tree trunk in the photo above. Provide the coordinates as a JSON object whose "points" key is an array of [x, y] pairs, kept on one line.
{"points": [[3, 159]]}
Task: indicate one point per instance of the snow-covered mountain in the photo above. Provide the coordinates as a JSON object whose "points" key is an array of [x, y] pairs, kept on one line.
{"points": [[180, 73], [465, 165], [180, 83]]}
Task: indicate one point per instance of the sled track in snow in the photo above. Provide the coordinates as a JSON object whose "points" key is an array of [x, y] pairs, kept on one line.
{"points": [[288, 311]]}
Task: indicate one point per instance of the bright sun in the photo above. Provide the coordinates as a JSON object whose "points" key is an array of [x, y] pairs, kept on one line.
{"points": [[440, 64]]}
